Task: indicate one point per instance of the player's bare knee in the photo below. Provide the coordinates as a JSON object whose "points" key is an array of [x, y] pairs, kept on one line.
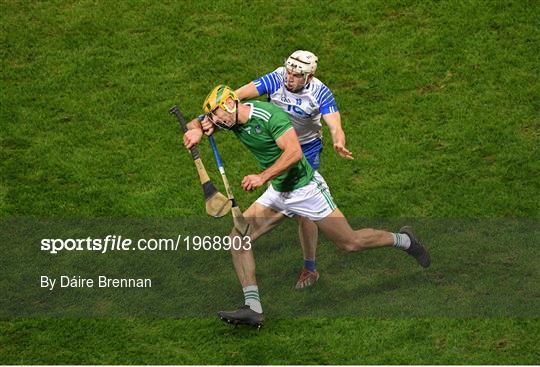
{"points": [[238, 251], [237, 242], [350, 247]]}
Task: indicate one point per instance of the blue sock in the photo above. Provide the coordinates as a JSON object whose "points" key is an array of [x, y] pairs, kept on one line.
{"points": [[310, 265]]}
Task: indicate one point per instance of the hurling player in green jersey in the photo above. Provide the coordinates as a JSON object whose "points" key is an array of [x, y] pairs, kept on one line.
{"points": [[294, 190]]}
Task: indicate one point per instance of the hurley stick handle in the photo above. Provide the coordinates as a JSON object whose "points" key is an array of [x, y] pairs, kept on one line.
{"points": [[183, 125]]}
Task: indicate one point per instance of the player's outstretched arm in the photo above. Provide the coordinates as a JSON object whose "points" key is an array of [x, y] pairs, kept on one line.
{"points": [[333, 120], [247, 91], [292, 153]]}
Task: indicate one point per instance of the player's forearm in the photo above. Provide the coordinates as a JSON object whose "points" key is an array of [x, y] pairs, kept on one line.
{"points": [[288, 159], [194, 124], [338, 136], [247, 91], [333, 120]]}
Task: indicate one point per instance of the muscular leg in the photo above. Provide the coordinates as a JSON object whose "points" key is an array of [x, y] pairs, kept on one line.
{"points": [[262, 219], [309, 235], [337, 229]]}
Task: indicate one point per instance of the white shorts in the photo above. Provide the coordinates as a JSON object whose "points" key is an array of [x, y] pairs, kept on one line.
{"points": [[312, 201]]}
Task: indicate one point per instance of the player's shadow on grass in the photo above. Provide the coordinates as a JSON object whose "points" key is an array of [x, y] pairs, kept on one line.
{"points": [[395, 283], [338, 296]]}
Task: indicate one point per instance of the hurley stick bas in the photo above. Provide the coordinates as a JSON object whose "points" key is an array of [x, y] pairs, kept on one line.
{"points": [[240, 223], [217, 205]]}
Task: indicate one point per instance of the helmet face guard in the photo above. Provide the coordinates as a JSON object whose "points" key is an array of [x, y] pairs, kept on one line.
{"points": [[222, 125], [218, 98]]}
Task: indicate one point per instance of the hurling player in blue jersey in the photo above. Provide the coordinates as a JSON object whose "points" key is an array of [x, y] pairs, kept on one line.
{"points": [[294, 88]]}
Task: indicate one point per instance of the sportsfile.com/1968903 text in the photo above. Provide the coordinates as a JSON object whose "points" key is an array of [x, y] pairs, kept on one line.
{"points": [[120, 243]]}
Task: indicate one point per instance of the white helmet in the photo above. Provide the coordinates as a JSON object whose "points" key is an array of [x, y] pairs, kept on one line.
{"points": [[303, 62]]}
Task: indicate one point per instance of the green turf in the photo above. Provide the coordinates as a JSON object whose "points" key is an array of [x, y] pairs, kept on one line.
{"points": [[299, 341], [441, 109], [480, 269]]}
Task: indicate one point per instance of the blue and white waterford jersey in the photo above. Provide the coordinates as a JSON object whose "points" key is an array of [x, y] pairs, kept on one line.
{"points": [[305, 107]]}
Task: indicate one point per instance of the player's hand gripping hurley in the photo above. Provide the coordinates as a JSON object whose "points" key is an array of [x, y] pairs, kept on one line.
{"points": [[240, 223], [217, 205]]}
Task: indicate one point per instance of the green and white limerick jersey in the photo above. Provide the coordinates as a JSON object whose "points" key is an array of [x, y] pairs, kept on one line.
{"points": [[259, 134]]}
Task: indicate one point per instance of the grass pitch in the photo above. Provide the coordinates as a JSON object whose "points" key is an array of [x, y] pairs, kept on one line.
{"points": [[439, 103]]}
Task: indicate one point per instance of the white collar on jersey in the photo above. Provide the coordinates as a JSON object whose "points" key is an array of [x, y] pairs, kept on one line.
{"points": [[250, 110]]}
